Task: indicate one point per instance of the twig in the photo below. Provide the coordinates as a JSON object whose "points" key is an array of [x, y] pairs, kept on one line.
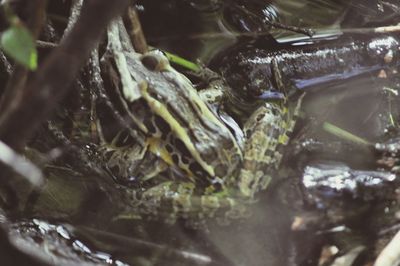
{"points": [[390, 229], [135, 31], [38, 18], [385, 29], [343, 134], [6, 64], [73, 18], [307, 32], [82, 158], [44, 44]]}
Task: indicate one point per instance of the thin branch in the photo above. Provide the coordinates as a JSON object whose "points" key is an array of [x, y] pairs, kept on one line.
{"points": [[135, 31], [6, 65], [73, 18], [307, 32], [44, 44]]}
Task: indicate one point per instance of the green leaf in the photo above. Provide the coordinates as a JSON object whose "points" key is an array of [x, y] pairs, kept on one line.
{"points": [[343, 134], [18, 43], [182, 62]]}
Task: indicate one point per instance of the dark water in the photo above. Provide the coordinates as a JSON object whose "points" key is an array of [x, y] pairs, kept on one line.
{"points": [[76, 222]]}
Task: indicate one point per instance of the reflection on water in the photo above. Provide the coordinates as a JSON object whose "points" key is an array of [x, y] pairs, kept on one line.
{"points": [[56, 244]]}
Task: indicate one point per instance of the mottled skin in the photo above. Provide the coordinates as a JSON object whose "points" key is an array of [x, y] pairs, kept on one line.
{"points": [[200, 168]]}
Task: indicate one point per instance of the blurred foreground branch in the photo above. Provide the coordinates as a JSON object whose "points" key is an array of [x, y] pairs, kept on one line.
{"points": [[52, 80], [21, 165]]}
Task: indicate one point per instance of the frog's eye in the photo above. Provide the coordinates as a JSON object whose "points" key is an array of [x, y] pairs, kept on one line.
{"points": [[155, 61], [150, 62]]}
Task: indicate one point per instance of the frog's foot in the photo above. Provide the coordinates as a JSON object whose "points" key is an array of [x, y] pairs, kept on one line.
{"points": [[131, 165]]}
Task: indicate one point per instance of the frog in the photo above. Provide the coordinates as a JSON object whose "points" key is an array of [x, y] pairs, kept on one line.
{"points": [[185, 160], [188, 158]]}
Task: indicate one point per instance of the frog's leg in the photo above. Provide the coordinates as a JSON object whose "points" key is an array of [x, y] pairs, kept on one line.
{"points": [[265, 131], [130, 161], [131, 165], [171, 200]]}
